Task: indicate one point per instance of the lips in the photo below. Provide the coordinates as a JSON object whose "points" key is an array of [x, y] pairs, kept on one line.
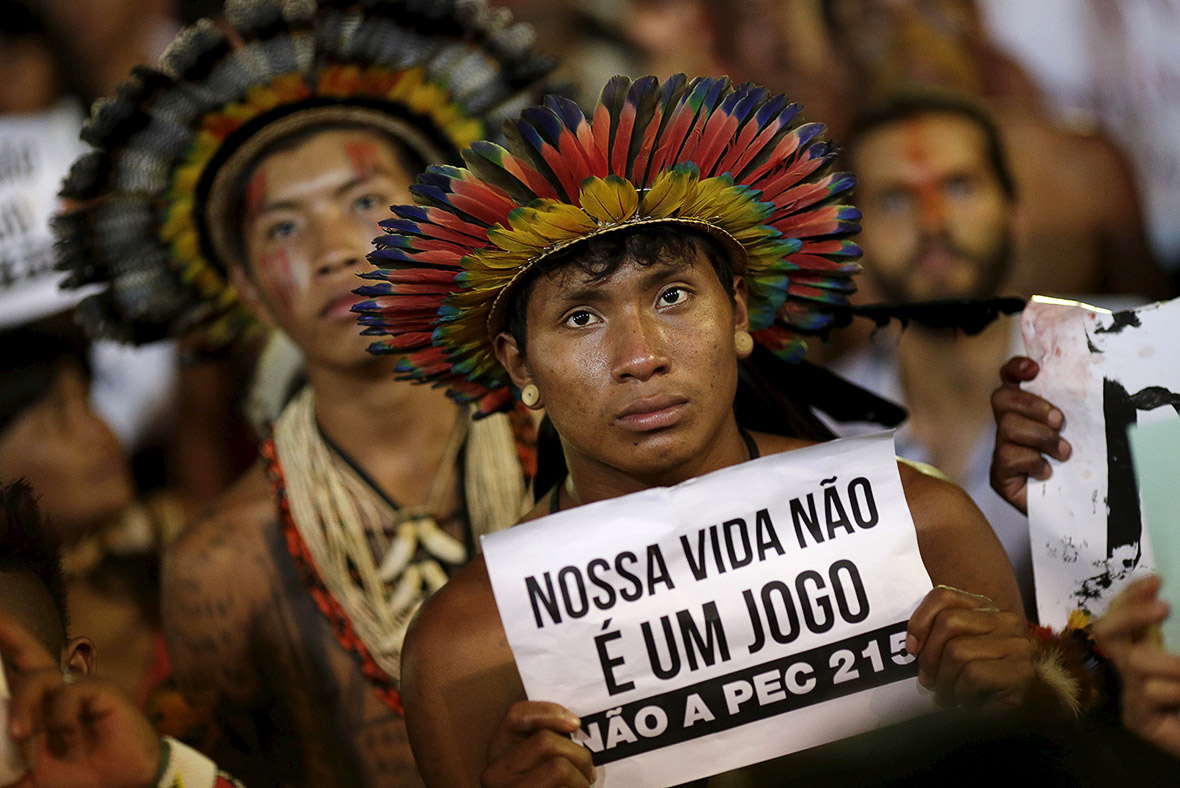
{"points": [[652, 413], [339, 306]]}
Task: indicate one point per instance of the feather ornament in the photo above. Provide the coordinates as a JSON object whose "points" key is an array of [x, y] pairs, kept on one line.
{"points": [[136, 224], [732, 161]]}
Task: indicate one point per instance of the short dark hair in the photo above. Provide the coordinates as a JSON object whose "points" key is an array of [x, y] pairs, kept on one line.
{"points": [[600, 256], [912, 104], [236, 215], [29, 543]]}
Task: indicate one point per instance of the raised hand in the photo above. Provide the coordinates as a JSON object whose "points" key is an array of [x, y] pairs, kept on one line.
{"points": [[1150, 676], [970, 652], [532, 749], [1027, 428], [79, 732]]}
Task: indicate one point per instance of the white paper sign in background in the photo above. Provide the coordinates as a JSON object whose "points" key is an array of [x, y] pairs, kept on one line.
{"points": [[36, 152], [739, 616], [1105, 371]]}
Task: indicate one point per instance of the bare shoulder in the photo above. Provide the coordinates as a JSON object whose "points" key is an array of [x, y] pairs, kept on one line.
{"points": [[456, 634], [231, 530], [932, 496], [461, 607], [958, 546], [458, 679]]}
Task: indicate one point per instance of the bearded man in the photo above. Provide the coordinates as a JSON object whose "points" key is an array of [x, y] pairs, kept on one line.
{"points": [[940, 213]]}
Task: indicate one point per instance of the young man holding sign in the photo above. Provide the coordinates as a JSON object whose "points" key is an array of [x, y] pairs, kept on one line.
{"points": [[615, 273]]}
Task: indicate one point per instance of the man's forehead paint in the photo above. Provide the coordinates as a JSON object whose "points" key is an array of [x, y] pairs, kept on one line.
{"points": [[364, 157], [916, 136]]}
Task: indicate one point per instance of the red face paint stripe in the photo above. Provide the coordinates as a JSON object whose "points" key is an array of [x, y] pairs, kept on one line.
{"points": [[363, 156], [256, 193]]}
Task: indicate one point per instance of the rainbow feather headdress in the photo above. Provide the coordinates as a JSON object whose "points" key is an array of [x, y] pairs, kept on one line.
{"points": [[731, 161], [149, 202]]}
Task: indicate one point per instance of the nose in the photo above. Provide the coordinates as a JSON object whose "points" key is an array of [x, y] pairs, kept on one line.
{"points": [[638, 347], [341, 245], [931, 210]]}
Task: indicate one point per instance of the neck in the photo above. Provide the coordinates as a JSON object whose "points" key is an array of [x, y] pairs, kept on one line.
{"points": [[948, 379], [394, 430], [597, 481]]}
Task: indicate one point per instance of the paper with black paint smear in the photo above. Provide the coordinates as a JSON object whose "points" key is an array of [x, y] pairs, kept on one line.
{"points": [[1105, 371]]}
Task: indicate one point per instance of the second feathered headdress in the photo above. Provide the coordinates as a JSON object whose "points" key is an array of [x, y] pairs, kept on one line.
{"points": [[150, 202]]}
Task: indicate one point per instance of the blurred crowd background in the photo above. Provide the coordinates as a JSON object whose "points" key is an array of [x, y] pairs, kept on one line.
{"points": [[1085, 93]]}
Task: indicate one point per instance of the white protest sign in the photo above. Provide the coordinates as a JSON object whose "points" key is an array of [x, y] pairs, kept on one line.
{"points": [[36, 152], [746, 614], [1105, 371]]}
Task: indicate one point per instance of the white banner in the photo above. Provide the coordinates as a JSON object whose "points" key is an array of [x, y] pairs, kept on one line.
{"points": [[746, 614], [1105, 371]]}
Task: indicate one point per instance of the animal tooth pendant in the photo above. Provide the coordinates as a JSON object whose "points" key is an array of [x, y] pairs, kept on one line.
{"points": [[400, 551], [407, 590], [440, 544]]}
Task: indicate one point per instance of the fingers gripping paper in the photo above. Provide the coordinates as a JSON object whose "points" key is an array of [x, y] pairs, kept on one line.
{"points": [[1105, 371], [746, 614]]}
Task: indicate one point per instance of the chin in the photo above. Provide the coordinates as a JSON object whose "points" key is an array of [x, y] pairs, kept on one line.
{"points": [[657, 454]]}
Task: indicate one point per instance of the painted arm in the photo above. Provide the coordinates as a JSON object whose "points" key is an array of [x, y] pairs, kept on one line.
{"points": [[209, 594]]}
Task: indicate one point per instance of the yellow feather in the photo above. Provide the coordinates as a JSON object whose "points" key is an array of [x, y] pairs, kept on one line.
{"points": [[667, 194], [609, 201], [561, 222]]}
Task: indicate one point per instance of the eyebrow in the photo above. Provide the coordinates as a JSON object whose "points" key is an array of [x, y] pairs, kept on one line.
{"points": [[594, 291], [351, 183]]}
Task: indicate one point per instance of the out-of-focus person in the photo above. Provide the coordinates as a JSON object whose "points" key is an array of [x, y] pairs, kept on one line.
{"points": [[939, 219], [676, 37], [51, 436], [140, 393], [103, 39], [286, 602], [1112, 65], [1081, 227]]}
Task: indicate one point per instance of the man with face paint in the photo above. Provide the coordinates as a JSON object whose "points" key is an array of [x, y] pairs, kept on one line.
{"points": [[939, 211], [1081, 227], [251, 169], [605, 280]]}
